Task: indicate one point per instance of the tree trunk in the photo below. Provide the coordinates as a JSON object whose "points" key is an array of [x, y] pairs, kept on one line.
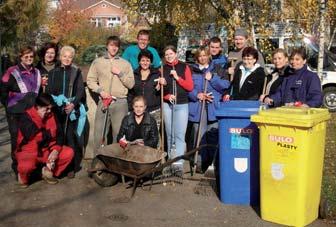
{"points": [[322, 31]]}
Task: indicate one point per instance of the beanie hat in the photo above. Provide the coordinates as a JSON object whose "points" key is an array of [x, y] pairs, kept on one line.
{"points": [[241, 32]]}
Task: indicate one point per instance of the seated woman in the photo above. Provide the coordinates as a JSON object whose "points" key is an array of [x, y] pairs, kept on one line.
{"points": [[248, 78], [40, 140], [139, 127], [300, 87]]}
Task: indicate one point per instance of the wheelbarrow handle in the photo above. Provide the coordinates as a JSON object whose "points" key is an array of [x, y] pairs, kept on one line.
{"points": [[168, 163]]}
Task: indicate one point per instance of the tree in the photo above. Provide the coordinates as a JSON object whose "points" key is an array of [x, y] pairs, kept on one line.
{"points": [[21, 21], [257, 15], [65, 19], [71, 26]]}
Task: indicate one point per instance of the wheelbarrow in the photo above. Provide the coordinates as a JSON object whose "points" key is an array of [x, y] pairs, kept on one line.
{"points": [[135, 162]]}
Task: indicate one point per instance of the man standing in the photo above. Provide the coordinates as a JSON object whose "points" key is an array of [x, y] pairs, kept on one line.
{"points": [[131, 53], [218, 59], [110, 76], [240, 42]]}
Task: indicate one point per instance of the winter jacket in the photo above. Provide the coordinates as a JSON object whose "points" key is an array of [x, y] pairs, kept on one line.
{"points": [[19, 88], [150, 132], [275, 79], [220, 66], [59, 83], [145, 88], [300, 85], [216, 86], [100, 75], [252, 86], [183, 85], [131, 54], [43, 70], [37, 133]]}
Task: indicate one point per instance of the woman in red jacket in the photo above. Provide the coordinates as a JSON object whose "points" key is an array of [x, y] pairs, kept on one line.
{"points": [[40, 140]]}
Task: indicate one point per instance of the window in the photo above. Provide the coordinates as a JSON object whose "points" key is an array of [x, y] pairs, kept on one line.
{"points": [[113, 21], [96, 21]]}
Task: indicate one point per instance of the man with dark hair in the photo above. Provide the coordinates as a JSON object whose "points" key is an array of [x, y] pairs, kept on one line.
{"points": [[110, 76], [131, 53], [217, 58], [240, 42]]}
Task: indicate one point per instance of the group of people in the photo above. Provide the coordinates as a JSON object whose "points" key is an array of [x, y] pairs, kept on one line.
{"points": [[46, 105]]}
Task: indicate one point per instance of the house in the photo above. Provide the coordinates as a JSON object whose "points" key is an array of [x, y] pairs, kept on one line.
{"points": [[104, 13]]}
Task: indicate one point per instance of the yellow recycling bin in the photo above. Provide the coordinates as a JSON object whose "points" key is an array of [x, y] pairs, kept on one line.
{"points": [[292, 143]]}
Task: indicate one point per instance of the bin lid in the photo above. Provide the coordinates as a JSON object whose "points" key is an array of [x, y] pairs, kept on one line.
{"points": [[237, 108], [292, 116]]}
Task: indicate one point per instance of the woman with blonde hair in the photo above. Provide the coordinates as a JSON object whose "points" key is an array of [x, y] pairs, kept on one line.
{"points": [[203, 101], [65, 84]]}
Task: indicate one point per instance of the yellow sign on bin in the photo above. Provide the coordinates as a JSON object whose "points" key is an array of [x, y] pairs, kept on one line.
{"points": [[292, 143]]}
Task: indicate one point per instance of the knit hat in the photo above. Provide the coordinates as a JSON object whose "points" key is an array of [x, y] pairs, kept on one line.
{"points": [[241, 32]]}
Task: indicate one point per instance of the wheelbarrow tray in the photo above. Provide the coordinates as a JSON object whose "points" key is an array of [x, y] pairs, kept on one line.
{"points": [[133, 161]]}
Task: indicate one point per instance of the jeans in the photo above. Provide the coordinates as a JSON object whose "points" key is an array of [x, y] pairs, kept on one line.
{"points": [[177, 128]]}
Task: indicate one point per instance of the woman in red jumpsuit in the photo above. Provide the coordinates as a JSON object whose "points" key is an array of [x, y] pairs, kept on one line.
{"points": [[40, 140]]}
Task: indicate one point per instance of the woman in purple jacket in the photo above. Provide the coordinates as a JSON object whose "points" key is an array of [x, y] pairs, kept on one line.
{"points": [[300, 88]]}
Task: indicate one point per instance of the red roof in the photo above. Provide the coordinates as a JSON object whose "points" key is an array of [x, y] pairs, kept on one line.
{"points": [[84, 4]]}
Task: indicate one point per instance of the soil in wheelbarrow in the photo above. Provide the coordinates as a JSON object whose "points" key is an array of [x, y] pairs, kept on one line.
{"points": [[329, 172]]}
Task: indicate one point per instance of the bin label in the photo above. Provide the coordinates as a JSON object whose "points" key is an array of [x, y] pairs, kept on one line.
{"points": [[277, 171], [281, 139], [240, 142], [240, 164], [241, 138]]}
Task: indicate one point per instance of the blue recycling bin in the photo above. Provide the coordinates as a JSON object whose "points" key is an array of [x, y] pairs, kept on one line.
{"points": [[238, 153]]}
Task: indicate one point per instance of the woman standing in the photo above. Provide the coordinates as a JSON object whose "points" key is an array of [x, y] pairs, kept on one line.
{"points": [[65, 83], [178, 82], [204, 77], [20, 86], [300, 88], [274, 80], [145, 85], [48, 57], [248, 79]]}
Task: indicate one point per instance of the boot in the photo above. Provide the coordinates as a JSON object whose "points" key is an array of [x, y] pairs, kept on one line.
{"points": [[47, 175]]}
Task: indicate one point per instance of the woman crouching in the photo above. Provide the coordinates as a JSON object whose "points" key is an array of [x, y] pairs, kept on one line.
{"points": [[40, 140]]}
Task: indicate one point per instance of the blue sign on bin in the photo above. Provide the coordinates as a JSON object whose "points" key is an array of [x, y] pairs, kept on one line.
{"points": [[238, 153]]}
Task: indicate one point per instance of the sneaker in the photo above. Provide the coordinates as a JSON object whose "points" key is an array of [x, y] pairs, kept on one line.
{"points": [[47, 175], [21, 184]]}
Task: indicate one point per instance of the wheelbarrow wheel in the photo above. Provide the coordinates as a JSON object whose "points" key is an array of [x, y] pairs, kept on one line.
{"points": [[101, 177]]}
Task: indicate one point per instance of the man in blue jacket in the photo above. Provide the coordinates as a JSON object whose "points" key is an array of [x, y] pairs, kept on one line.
{"points": [[131, 53]]}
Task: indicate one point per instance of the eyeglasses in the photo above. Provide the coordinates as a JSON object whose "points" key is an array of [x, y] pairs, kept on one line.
{"points": [[28, 56]]}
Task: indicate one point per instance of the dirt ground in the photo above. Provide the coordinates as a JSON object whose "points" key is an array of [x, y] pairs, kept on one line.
{"points": [[81, 202]]}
